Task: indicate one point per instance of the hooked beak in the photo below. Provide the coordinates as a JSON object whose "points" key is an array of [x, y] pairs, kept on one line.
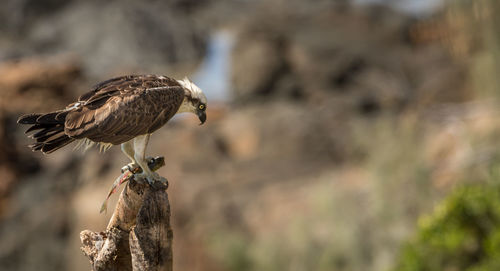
{"points": [[202, 116]]}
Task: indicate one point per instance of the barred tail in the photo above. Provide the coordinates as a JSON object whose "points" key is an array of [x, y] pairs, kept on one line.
{"points": [[50, 136]]}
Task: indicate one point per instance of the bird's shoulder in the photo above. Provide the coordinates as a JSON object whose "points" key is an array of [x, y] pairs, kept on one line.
{"points": [[128, 85]]}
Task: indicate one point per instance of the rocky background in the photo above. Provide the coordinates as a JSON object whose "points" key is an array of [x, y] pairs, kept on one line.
{"points": [[342, 124]]}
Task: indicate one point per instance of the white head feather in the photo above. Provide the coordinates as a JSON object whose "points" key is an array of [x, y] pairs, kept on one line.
{"points": [[195, 91], [192, 91]]}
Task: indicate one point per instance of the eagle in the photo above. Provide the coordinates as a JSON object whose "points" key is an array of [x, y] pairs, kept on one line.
{"points": [[122, 111]]}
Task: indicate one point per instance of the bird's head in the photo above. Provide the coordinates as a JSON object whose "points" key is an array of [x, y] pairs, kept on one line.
{"points": [[194, 100]]}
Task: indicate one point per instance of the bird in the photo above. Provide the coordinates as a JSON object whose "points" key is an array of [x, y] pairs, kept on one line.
{"points": [[123, 111]]}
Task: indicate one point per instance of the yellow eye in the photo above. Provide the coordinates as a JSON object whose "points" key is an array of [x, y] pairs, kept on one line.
{"points": [[201, 106]]}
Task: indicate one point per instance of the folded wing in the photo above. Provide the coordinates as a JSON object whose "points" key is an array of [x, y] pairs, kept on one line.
{"points": [[122, 108]]}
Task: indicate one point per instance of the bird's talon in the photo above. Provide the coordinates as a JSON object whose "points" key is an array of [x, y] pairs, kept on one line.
{"points": [[150, 160], [130, 167], [163, 181], [150, 180]]}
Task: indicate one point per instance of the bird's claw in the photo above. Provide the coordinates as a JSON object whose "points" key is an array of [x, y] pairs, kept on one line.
{"points": [[150, 160], [129, 167], [132, 167]]}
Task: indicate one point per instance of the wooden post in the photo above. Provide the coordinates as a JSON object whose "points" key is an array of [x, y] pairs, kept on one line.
{"points": [[138, 236]]}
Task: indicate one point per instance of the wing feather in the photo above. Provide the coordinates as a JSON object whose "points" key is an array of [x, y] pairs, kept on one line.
{"points": [[124, 107], [100, 87]]}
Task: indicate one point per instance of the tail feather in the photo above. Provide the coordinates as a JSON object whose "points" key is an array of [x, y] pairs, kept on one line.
{"points": [[47, 138], [48, 130], [56, 144], [49, 118], [36, 146], [50, 136], [37, 127], [28, 119]]}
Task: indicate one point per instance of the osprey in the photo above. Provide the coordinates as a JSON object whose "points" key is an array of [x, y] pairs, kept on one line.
{"points": [[123, 110]]}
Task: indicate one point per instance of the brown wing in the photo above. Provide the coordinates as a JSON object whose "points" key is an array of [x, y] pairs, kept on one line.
{"points": [[122, 108]]}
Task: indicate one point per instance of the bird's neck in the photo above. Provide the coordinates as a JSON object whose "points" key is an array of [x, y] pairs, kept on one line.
{"points": [[186, 106]]}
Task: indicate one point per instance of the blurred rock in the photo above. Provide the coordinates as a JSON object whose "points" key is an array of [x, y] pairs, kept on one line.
{"points": [[109, 37], [26, 86], [13, 163], [257, 62], [240, 136], [39, 84], [360, 54]]}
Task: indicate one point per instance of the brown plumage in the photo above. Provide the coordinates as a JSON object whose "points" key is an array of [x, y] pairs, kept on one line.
{"points": [[114, 111]]}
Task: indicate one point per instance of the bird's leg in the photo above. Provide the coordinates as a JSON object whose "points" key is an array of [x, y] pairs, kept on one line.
{"points": [[140, 144], [128, 150]]}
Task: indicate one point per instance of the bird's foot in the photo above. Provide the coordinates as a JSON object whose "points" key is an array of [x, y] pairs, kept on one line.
{"points": [[133, 167], [150, 160], [130, 167]]}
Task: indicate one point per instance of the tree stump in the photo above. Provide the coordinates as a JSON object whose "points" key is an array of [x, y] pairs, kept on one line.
{"points": [[138, 236]]}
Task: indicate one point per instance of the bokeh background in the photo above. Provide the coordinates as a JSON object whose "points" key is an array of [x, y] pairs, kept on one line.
{"points": [[341, 135]]}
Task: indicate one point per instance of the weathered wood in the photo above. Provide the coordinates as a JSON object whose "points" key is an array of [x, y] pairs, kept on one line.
{"points": [[107, 250], [138, 236], [127, 207], [151, 238]]}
